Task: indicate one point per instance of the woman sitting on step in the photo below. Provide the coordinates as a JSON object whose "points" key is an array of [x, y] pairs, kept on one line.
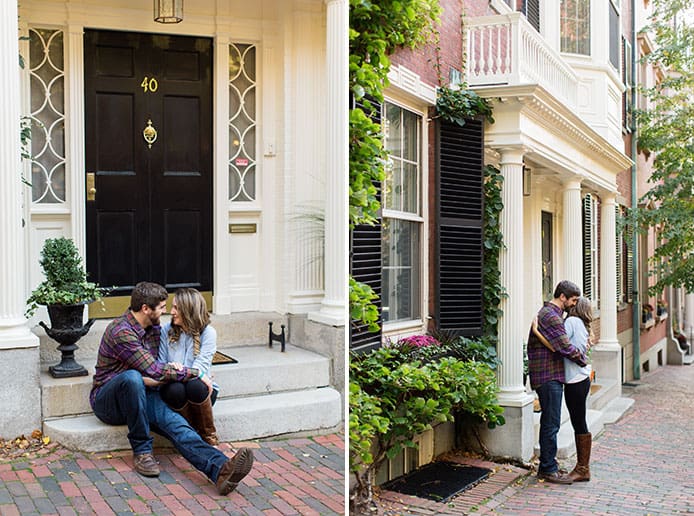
{"points": [[189, 340]]}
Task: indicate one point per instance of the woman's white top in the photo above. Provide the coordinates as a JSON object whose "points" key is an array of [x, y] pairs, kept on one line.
{"points": [[182, 350], [578, 335]]}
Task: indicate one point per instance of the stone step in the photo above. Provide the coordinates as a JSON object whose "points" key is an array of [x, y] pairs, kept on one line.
{"points": [[233, 330], [260, 370], [237, 419], [605, 406]]}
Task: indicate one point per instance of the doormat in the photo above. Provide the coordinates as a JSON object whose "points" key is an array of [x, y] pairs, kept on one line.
{"points": [[438, 481], [221, 358], [595, 388]]}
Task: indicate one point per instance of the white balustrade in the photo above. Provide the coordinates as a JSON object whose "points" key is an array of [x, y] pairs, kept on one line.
{"points": [[507, 50]]}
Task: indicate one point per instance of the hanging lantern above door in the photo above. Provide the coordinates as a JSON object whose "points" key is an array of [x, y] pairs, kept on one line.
{"points": [[168, 11]]}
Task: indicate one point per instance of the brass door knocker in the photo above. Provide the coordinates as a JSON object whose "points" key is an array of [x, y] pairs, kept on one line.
{"points": [[150, 134]]}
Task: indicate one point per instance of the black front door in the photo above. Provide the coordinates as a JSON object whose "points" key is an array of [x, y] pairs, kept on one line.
{"points": [[148, 138]]}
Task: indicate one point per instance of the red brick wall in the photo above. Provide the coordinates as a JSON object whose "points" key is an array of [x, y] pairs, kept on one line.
{"points": [[422, 60]]}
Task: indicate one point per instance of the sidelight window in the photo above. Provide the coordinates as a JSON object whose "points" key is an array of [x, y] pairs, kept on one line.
{"points": [[47, 115], [242, 122]]}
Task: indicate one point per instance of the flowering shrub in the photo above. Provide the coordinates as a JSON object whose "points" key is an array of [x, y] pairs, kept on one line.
{"points": [[418, 341]]}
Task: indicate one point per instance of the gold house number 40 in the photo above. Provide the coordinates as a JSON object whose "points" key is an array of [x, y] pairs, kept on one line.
{"points": [[149, 84]]}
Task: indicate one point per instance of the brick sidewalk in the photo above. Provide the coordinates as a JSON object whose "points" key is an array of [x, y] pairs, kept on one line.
{"points": [[640, 465], [294, 476]]}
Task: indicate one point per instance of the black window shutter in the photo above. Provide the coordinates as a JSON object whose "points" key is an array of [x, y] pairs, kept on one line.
{"points": [[460, 195], [531, 10], [365, 265]]}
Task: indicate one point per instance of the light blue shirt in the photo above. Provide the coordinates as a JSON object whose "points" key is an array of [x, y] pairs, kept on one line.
{"points": [[182, 351], [578, 336]]}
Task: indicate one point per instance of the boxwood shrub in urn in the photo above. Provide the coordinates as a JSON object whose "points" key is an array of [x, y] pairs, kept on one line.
{"points": [[65, 292]]}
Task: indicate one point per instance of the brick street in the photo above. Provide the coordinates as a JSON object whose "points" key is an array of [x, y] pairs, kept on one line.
{"points": [[640, 465], [294, 476]]}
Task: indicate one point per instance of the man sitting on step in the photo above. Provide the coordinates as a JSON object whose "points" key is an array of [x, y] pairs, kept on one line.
{"points": [[126, 365]]}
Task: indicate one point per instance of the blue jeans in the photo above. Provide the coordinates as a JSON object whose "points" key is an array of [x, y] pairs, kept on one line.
{"points": [[550, 394], [125, 400]]}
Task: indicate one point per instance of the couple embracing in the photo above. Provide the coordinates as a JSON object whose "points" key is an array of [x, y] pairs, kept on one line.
{"points": [[558, 365]]}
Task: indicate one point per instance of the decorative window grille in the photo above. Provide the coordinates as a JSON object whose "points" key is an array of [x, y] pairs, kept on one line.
{"points": [[590, 248], [575, 26], [242, 122], [47, 91]]}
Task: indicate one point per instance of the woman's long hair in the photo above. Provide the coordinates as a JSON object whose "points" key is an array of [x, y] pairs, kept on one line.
{"points": [[192, 309], [583, 310]]}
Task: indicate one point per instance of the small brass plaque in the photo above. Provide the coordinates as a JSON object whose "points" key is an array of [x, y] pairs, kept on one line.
{"points": [[242, 228]]}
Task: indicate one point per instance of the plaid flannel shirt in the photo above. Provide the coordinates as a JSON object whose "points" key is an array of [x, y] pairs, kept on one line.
{"points": [[543, 364], [127, 345]]}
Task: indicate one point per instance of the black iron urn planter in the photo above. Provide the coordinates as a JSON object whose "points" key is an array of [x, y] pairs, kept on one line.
{"points": [[67, 328]]}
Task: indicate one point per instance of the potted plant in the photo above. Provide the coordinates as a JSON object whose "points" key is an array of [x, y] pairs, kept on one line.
{"points": [[65, 292]]}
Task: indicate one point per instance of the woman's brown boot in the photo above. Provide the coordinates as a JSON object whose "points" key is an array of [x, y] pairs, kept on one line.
{"points": [[581, 473], [202, 419]]}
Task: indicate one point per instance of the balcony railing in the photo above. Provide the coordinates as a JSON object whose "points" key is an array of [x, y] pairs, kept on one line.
{"points": [[507, 50]]}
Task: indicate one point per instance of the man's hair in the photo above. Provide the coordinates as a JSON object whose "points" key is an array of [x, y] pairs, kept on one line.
{"points": [[147, 293], [568, 288]]}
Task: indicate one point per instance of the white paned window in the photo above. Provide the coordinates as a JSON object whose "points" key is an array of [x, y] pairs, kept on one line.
{"points": [[47, 90], [402, 220], [590, 249], [242, 122], [575, 26]]}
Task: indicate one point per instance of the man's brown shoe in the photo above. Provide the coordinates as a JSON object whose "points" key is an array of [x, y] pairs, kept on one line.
{"points": [[146, 465], [234, 470], [555, 478]]}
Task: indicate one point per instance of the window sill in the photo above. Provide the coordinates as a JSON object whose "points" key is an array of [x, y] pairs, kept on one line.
{"points": [[648, 324], [395, 330]]}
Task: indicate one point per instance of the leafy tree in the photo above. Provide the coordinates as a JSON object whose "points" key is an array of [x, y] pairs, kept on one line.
{"points": [[666, 129]]}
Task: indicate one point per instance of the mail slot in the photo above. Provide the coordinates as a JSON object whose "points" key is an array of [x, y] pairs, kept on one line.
{"points": [[242, 228]]}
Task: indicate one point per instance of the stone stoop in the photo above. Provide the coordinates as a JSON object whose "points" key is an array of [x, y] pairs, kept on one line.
{"points": [[267, 393]]}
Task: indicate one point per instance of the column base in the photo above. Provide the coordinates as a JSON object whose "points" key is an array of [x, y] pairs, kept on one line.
{"points": [[330, 313], [21, 397], [16, 334], [607, 361], [516, 438]]}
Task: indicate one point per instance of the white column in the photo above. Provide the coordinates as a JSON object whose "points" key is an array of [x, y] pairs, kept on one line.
{"points": [[689, 318], [608, 272], [333, 309], [512, 328], [74, 131], [14, 332], [572, 231]]}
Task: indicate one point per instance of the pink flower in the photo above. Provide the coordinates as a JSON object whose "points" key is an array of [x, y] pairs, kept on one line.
{"points": [[419, 341]]}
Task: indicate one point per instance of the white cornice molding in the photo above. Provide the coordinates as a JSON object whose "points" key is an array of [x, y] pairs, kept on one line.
{"points": [[537, 104]]}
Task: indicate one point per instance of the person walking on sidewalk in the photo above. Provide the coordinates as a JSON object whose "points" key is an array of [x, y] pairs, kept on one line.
{"points": [[577, 386], [547, 374], [189, 340], [126, 364]]}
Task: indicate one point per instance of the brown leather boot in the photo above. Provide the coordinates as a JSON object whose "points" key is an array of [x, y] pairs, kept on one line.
{"points": [[581, 473], [202, 419]]}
